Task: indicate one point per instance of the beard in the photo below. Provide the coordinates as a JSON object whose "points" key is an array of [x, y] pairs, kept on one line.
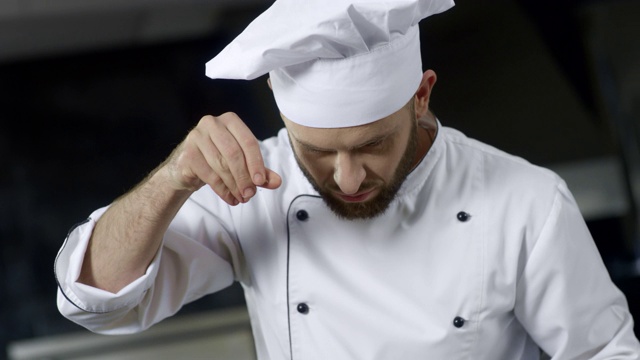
{"points": [[377, 205]]}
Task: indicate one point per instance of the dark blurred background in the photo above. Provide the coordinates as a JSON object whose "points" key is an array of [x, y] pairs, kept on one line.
{"points": [[94, 94]]}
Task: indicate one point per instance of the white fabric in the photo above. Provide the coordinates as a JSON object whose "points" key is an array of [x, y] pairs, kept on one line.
{"points": [[333, 63], [523, 270]]}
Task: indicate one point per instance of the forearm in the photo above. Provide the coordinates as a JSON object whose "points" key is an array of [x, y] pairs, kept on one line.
{"points": [[128, 235], [221, 152]]}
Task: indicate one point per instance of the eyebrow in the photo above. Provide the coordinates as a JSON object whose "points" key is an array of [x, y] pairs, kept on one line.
{"points": [[373, 140]]}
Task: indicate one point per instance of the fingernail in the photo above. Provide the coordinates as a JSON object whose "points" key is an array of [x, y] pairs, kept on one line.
{"points": [[258, 179], [247, 193], [235, 202]]}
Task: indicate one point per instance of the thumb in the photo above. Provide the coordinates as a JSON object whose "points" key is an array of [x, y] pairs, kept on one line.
{"points": [[273, 180]]}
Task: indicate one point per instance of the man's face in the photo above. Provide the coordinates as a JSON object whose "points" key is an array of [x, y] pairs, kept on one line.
{"points": [[357, 170]]}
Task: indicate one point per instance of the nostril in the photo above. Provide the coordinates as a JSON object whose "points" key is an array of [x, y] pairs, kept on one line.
{"points": [[349, 179]]}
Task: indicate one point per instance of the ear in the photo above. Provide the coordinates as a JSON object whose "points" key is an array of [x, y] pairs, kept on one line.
{"points": [[421, 99]]}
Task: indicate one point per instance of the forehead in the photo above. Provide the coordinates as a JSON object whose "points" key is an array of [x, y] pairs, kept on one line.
{"points": [[337, 138]]}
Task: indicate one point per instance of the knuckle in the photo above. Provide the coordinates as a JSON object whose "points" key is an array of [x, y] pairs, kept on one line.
{"points": [[255, 160], [222, 164], [250, 142], [216, 182], [192, 137], [235, 155], [228, 116], [205, 120], [207, 124], [245, 180]]}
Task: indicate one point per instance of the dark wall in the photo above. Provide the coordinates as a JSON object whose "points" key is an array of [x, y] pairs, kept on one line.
{"points": [[77, 131]]}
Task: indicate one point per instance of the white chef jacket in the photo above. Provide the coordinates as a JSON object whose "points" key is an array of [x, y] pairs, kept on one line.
{"points": [[481, 256]]}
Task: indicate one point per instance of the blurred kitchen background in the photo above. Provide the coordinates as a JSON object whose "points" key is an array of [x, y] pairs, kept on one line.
{"points": [[95, 93]]}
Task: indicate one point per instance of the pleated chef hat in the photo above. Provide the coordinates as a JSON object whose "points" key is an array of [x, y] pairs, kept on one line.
{"points": [[333, 63]]}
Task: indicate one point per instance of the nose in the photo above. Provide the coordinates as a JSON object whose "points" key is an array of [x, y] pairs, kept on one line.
{"points": [[349, 173]]}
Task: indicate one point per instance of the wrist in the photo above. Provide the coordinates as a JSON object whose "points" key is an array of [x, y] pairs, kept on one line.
{"points": [[160, 188]]}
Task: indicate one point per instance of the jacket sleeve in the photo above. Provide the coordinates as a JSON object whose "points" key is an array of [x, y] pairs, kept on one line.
{"points": [[197, 257], [565, 297]]}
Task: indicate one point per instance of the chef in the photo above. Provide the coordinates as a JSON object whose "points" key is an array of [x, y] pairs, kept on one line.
{"points": [[365, 229]]}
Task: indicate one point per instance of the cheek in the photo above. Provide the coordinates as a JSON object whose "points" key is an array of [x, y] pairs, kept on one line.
{"points": [[384, 166], [321, 168], [383, 169]]}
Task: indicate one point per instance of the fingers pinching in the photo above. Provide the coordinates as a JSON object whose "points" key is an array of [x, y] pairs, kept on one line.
{"points": [[253, 161], [223, 153], [235, 155]]}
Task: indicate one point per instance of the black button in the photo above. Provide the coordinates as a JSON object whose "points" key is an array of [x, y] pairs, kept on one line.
{"points": [[302, 215], [458, 322], [463, 216], [303, 308]]}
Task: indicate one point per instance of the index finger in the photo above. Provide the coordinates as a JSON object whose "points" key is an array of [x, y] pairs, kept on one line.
{"points": [[249, 145]]}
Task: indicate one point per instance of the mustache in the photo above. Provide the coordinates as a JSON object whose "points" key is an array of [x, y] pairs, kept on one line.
{"points": [[364, 186]]}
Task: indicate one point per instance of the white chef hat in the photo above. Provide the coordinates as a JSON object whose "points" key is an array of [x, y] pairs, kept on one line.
{"points": [[333, 63]]}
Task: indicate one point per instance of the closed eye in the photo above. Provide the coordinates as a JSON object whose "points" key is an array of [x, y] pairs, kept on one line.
{"points": [[314, 150], [374, 144], [377, 146]]}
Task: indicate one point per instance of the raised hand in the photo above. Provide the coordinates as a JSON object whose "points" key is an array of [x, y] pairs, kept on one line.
{"points": [[223, 153]]}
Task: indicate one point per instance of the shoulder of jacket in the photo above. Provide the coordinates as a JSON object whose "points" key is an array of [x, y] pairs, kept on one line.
{"points": [[498, 162]]}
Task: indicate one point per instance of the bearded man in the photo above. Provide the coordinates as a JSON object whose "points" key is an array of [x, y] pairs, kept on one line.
{"points": [[365, 229]]}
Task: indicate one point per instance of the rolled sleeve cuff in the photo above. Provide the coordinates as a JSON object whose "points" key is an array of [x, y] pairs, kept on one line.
{"points": [[67, 269]]}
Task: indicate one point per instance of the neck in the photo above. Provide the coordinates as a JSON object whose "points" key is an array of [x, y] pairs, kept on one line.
{"points": [[427, 129]]}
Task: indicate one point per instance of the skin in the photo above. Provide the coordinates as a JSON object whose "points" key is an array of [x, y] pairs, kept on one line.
{"points": [[223, 153], [356, 181]]}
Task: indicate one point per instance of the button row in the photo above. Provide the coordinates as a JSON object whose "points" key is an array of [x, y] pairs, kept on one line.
{"points": [[303, 215], [304, 310]]}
